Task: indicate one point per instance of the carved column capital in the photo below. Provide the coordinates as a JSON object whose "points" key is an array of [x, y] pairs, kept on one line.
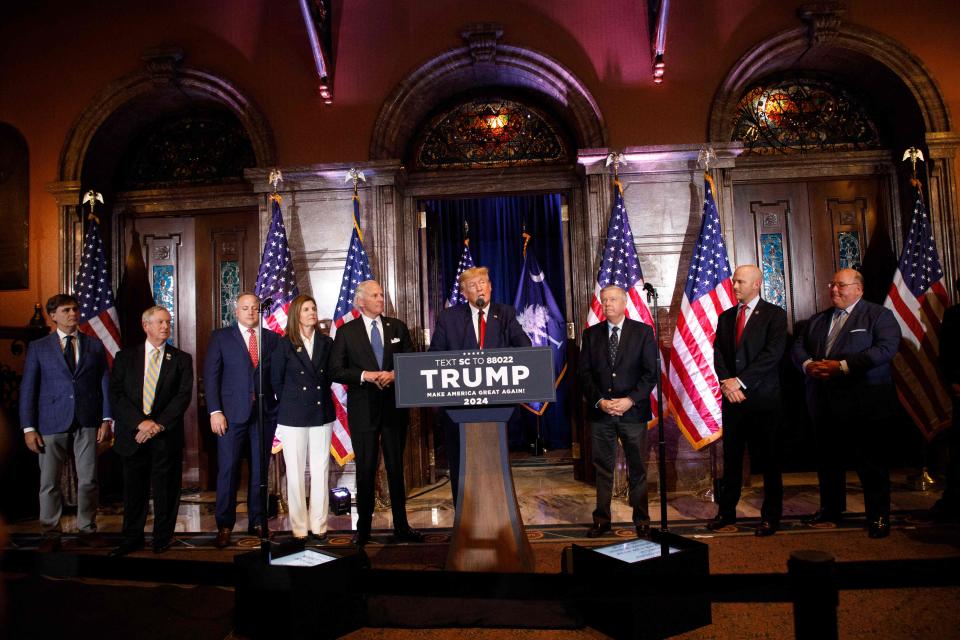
{"points": [[822, 20], [942, 144], [482, 38]]}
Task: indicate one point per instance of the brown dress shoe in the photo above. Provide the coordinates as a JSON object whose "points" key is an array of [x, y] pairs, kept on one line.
{"points": [[223, 538], [257, 530]]}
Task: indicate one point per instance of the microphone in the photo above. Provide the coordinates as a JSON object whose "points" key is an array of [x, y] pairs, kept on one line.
{"points": [[651, 292]]}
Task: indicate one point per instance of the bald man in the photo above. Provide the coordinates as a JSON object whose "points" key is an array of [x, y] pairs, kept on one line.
{"points": [[751, 339], [845, 353]]}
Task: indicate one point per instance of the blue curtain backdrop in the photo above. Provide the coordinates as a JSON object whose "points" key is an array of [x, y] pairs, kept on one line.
{"points": [[496, 225]]}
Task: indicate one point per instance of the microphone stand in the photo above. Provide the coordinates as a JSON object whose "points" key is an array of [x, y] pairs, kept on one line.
{"points": [[652, 296], [264, 445]]}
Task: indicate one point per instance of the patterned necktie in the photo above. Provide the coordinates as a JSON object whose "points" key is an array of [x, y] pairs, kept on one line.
{"points": [[481, 328], [376, 341], [614, 343], [839, 318], [741, 321], [70, 355], [252, 348], [150, 381]]}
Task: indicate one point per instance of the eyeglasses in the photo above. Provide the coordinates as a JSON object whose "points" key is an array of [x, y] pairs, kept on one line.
{"points": [[840, 285]]}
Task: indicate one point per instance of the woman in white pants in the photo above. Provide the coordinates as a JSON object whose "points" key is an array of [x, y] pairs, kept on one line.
{"points": [[305, 416]]}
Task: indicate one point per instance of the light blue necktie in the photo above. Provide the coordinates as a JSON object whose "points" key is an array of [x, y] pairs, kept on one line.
{"points": [[376, 341]]}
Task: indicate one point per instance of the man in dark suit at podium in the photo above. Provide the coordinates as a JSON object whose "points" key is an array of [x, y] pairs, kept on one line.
{"points": [[846, 352], [150, 390], [618, 370], [478, 324], [232, 374], [751, 339], [362, 358]]}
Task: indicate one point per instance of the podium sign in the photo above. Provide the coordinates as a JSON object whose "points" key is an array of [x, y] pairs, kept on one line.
{"points": [[474, 378]]}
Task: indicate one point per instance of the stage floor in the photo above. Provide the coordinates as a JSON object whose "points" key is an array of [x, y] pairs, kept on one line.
{"points": [[550, 500]]}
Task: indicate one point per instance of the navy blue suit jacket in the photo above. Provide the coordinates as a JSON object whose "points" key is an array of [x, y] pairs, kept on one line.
{"points": [[302, 384], [454, 330], [51, 398], [868, 341], [229, 379]]}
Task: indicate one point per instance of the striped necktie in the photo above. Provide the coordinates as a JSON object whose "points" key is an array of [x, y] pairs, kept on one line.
{"points": [[150, 381], [839, 318]]}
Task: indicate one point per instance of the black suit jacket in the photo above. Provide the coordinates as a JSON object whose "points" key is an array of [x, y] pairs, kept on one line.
{"points": [[171, 398], [868, 341], [369, 407], [454, 330], [302, 384], [633, 375], [756, 361]]}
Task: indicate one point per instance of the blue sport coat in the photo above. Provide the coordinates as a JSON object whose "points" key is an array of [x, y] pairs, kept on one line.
{"points": [[51, 398], [454, 330], [229, 379]]}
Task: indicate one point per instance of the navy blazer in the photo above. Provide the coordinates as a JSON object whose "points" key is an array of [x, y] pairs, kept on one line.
{"points": [[632, 375], [171, 397], [230, 382], [301, 384], [756, 360], [369, 407], [868, 341], [454, 330], [51, 398]]}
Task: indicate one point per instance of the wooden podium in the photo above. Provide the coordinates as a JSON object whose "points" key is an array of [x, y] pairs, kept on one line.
{"points": [[488, 532], [480, 390]]}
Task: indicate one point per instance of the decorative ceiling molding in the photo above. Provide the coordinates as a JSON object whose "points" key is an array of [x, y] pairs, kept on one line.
{"points": [[162, 72], [483, 63]]}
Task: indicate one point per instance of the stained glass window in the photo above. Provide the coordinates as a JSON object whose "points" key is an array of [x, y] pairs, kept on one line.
{"points": [[163, 293], [229, 290], [774, 274], [803, 114], [490, 133]]}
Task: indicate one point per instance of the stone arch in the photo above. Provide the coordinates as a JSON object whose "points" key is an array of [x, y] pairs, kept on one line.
{"points": [[162, 76], [811, 47], [484, 64]]}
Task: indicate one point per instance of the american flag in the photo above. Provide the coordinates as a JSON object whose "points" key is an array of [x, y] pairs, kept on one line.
{"points": [[693, 392], [621, 266], [276, 279], [98, 313], [918, 298], [355, 270], [466, 262]]}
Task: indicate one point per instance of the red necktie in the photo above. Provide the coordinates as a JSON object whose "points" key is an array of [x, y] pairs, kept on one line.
{"points": [[741, 321], [252, 347], [482, 328]]}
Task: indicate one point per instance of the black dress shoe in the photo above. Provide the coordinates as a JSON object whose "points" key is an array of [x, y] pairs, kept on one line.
{"points": [[598, 530], [407, 534], [257, 530], [643, 530], [161, 546], [314, 540], [126, 548], [879, 528], [49, 544], [823, 520], [766, 528], [722, 524], [360, 540], [223, 538]]}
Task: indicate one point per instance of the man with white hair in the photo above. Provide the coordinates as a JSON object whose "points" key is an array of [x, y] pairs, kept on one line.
{"points": [[362, 359]]}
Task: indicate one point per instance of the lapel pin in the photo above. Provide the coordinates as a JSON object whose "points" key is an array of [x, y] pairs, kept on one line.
{"points": [[299, 349], [496, 317], [167, 356]]}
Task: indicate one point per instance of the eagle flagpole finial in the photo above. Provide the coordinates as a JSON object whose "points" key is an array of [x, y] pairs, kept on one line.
{"points": [[616, 159], [356, 176], [706, 157], [913, 154], [275, 179], [93, 197]]}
